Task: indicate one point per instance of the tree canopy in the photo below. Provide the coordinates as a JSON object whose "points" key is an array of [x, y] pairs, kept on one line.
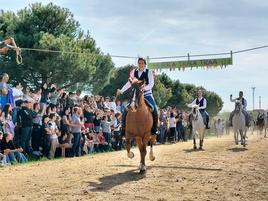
{"points": [[53, 27]]}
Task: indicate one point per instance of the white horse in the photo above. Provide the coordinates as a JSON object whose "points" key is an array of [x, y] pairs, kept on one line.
{"points": [[198, 126], [239, 123]]}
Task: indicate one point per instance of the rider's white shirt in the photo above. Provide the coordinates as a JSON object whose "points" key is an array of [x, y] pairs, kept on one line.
{"points": [[194, 103], [245, 103], [147, 88]]}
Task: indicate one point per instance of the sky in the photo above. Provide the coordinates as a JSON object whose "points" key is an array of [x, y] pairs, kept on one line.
{"points": [[177, 27]]}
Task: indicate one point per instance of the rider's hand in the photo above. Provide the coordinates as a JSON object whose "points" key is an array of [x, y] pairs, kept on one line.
{"points": [[118, 92]]}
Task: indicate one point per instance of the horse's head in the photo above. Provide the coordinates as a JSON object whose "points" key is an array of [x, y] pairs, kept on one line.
{"points": [[137, 94], [238, 106], [195, 111]]}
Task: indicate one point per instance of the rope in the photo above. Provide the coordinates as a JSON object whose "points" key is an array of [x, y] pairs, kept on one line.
{"points": [[18, 56], [154, 58], [213, 54]]}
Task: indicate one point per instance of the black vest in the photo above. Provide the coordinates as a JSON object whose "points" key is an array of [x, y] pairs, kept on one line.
{"points": [[144, 76], [199, 103]]}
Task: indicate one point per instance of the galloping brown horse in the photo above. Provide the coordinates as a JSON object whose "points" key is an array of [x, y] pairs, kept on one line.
{"points": [[139, 123]]}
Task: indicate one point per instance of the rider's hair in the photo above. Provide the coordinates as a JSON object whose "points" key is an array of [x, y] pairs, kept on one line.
{"points": [[142, 59], [241, 92]]}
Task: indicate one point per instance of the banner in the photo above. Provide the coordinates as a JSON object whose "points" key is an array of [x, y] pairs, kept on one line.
{"points": [[209, 63]]}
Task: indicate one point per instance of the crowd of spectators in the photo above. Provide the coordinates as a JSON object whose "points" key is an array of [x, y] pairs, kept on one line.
{"points": [[50, 122]]}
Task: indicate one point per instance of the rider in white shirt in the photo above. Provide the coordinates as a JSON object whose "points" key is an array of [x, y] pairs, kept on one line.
{"points": [[244, 105], [202, 104], [142, 73]]}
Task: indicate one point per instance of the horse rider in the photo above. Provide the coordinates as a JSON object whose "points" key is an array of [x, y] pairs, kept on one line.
{"points": [[244, 108], [142, 73], [202, 104]]}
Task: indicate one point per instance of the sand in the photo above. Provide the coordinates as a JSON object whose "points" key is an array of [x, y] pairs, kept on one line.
{"points": [[222, 172]]}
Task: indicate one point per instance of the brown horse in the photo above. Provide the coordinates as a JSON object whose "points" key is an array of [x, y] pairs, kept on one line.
{"points": [[139, 122]]}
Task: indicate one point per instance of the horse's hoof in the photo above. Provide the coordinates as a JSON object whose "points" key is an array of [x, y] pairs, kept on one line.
{"points": [[130, 155], [142, 172], [152, 158], [142, 168], [195, 147], [200, 148]]}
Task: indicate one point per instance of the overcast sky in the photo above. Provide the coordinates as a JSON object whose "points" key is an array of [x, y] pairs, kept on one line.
{"points": [[177, 27]]}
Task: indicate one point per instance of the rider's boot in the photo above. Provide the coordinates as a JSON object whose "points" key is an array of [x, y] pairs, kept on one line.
{"points": [[207, 123], [155, 122]]}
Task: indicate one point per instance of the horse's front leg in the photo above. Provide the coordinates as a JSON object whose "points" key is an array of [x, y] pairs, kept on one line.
{"points": [[201, 139], [142, 167], [194, 140], [152, 141], [130, 154]]}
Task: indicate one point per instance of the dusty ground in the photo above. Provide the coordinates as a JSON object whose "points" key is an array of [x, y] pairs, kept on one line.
{"points": [[221, 172]]}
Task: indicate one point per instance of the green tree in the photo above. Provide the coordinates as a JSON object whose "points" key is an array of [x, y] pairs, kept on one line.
{"points": [[118, 79], [52, 27], [161, 93]]}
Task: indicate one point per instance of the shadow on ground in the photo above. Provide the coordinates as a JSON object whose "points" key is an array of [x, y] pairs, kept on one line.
{"points": [[107, 182], [193, 150], [237, 149], [174, 167]]}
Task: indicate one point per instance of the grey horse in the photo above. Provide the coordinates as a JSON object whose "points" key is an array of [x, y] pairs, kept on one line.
{"points": [[239, 124]]}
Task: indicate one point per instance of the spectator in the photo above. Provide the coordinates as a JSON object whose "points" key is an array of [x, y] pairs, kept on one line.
{"points": [[7, 147], [106, 128], [25, 121], [66, 124], [6, 119], [70, 100], [103, 144], [4, 90], [88, 115], [117, 132], [97, 121], [64, 143], [4, 161], [44, 95], [163, 126], [17, 92], [112, 104], [46, 131], [37, 128], [54, 135], [63, 101], [53, 95], [180, 127], [27, 94], [119, 107], [106, 103], [172, 126], [77, 98], [76, 131], [37, 95]]}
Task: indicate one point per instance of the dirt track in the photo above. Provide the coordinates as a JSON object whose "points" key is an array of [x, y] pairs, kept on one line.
{"points": [[221, 172]]}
